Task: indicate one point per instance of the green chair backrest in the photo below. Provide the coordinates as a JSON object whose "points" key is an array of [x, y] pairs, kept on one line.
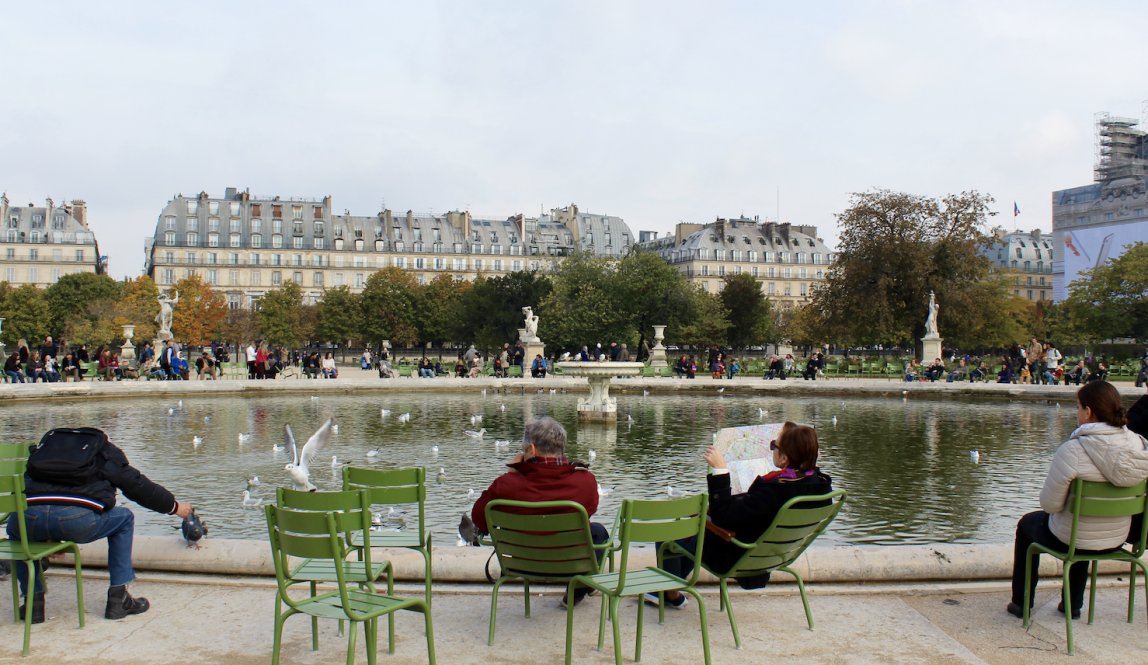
{"points": [[390, 487], [793, 530], [13, 458], [12, 500], [1091, 499], [550, 541], [662, 521]]}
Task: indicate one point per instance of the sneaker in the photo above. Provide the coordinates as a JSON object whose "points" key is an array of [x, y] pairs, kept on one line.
{"points": [[121, 603], [37, 608], [652, 598]]}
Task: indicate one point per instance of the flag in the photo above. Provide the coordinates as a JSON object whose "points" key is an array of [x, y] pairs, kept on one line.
{"points": [[1015, 210]]}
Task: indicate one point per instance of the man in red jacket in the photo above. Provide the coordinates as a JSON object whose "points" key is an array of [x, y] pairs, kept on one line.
{"points": [[540, 472]]}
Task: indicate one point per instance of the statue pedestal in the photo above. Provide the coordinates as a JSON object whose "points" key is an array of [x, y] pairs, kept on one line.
{"points": [[658, 353], [531, 348], [930, 349], [599, 406], [127, 352]]}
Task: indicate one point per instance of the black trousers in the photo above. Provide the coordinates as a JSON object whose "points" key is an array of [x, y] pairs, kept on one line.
{"points": [[599, 535], [1033, 528]]}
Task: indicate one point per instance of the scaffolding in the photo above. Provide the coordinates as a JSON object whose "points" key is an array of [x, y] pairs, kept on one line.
{"points": [[1121, 148]]}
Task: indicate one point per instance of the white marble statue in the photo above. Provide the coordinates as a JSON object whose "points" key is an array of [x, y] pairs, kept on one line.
{"points": [[531, 324], [166, 303], [931, 322]]}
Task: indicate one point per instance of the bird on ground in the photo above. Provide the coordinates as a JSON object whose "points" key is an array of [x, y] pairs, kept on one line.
{"points": [[434, 449], [334, 429], [254, 482], [385, 412], [197, 440], [673, 491], [473, 434], [303, 459], [467, 532], [604, 491], [244, 437], [404, 417], [475, 419], [593, 454], [373, 452], [193, 529], [975, 456], [471, 494], [248, 502]]}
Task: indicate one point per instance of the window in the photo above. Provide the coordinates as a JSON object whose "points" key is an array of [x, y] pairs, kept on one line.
{"points": [[803, 291], [167, 276], [276, 278], [360, 262], [34, 255], [318, 243], [498, 265], [440, 264], [1030, 294], [213, 240], [233, 259], [253, 259], [478, 265], [236, 240], [359, 280], [1107, 218], [317, 259], [476, 249], [277, 211], [737, 270], [296, 259], [1042, 295], [318, 212], [705, 271], [213, 277], [233, 277], [787, 291], [256, 210], [277, 226], [212, 258], [56, 272], [338, 279], [254, 278], [256, 240], [754, 271], [317, 279], [213, 224], [787, 273], [772, 272], [719, 255], [1042, 281], [297, 212], [169, 257], [721, 271], [192, 239], [706, 286], [10, 275], [168, 238], [751, 256], [607, 239], [721, 286], [297, 277], [276, 259], [1027, 266], [420, 263], [193, 207], [236, 226], [213, 207], [516, 266], [819, 274], [459, 264], [771, 289], [276, 241], [10, 254], [317, 228], [170, 223], [297, 242], [256, 226], [496, 249], [79, 255]]}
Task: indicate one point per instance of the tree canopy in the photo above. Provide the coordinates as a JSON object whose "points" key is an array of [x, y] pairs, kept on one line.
{"points": [[200, 313], [389, 307], [278, 315], [750, 312]]}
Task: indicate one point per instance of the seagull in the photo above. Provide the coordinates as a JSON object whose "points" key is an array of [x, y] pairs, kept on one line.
{"points": [[404, 417], [673, 491], [835, 421], [553, 391], [385, 412], [254, 482], [467, 532], [302, 460], [761, 413], [441, 474], [197, 440], [473, 434], [629, 418], [721, 390], [248, 502], [335, 462], [484, 392], [475, 419], [171, 412], [604, 491], [593, 454], [1058, 405], [314, 399], [471, 494], [975, 456], [645, 393], [904, 392], [373, 453], [334, 429], [181, 404], [275, 447], [244, 437], [501, 407], [501, 442], [434, 449], [206, 418]]}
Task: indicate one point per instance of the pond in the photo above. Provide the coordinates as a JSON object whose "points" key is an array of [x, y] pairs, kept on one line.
{"points": [[905, 462]]}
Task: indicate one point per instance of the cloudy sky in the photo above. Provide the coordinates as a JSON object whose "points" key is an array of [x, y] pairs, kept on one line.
{"points": [[659, 112]]}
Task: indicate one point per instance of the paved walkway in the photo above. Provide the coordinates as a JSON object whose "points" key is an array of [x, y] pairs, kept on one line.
{"points": [[220, 620]]}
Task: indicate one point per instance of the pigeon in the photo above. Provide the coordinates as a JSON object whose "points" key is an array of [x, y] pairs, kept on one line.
{"points": [[604, 491], [975, 456], [467, 531], [303, 459], [471, 494], [171, 412], [385, 412], [244, 437], [254, 482], [193, 529], [593, 454], [473, 434], [248, 502], [404, 417], [434, 449], [197, 440], [475, 419], [673, 491], [334, 429], [373, 453]]}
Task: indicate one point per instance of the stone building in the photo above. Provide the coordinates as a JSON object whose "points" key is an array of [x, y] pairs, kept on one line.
{"points": [[243, 245], [1027, 259], [40, 244], [787, 259]]}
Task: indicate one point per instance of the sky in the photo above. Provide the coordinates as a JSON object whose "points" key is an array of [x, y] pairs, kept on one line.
{"points": [[657, 112]]}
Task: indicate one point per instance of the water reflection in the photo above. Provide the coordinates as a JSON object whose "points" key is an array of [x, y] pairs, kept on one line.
{"points": [[905, 463]]}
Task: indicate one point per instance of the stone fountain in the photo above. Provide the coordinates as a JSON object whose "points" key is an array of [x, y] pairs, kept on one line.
{"points": [[599, 406]]}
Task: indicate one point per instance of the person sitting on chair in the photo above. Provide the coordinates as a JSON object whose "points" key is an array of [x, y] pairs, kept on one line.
{"points": [[1101, 449], [460, 369], [329, 370], [747, 516], [541, 472], [538, 367]]}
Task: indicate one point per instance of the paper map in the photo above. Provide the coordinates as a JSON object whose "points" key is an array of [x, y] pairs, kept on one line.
{"points": [[747, 454]]}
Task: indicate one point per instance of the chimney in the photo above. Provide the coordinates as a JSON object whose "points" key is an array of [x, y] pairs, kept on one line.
{"points": [[80, 212]]}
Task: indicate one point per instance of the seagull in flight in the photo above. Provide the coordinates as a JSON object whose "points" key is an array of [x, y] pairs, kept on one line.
{"points": [[303, 459]]}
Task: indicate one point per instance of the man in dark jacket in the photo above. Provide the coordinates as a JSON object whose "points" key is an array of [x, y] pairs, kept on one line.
{"points": [[540, 472], [518, 355], [812, 366], [85, 512]]}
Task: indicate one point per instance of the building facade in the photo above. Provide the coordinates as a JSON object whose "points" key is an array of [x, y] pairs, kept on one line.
{"points": [[244, 245], [1027, 259], [41, 244], [1096, 222], [788, 260]]}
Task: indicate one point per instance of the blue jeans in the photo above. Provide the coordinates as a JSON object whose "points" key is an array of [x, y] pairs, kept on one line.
{"points": [[681, 566], [426, 373], [80, 525], [15, 377]]}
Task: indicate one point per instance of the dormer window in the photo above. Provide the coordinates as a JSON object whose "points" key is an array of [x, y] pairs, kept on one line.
{"points": [[746, 239], [338, 231]]}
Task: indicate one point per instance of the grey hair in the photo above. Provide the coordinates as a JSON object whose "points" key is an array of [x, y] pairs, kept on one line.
{"points": [[547, 435]]}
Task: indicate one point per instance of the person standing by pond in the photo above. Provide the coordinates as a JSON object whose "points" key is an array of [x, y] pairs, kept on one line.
{"points": [[1101, 449]]}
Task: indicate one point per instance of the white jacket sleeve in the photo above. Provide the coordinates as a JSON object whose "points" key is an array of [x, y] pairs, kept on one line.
{"points": [[1058, 482]]}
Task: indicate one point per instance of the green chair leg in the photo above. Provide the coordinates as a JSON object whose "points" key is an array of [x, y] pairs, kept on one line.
{"points": [[661, 607], [1027, 586], [729, 610], [804, 598], [79, 583], [351, 642], [494, 610], [371, 638], [705, 626], [427, 557], [602, 621], [1092, 593], [1131, 590], [391, 616], [638, 636], [314, 623], [526, 593], [278, 637], [429, 621], [15, 595], [569, 620], [1067, 610], [616, 623]]}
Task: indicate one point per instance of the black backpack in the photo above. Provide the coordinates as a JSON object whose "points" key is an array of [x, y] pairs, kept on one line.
{"points": [[70, 457]]}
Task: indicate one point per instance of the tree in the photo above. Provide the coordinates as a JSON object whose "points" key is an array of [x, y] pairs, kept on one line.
{"points": [[27, 314], [139, 305], [389, 307], [200, 313], [1110, 300], [894, 249], [652, 292], [239, 327], [72, 295], [439, 308], [491, 314], [278, 315], [708, 322], [750, 316], [339, 316], [585, 308]]}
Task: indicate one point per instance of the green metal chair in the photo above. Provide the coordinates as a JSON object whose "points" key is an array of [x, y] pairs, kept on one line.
{"points": [[395, 487], [13, 459], [854, 370], [648, 372], [793, 530], [648, 522], [894, 371], [317, 537], [551, 543], [1095, 500], [12, 501], [516, 371]]}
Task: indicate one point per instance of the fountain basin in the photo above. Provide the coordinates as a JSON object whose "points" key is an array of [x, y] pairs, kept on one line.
{"points": [[599, 406]]}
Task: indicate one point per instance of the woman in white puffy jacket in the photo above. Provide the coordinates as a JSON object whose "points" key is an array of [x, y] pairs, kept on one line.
{"points": [[1101, 449]]}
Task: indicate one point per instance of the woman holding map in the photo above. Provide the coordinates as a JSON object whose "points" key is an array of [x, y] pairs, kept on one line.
{"points": [[746, 516]]}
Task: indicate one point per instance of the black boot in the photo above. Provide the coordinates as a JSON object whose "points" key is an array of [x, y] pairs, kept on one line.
{"points": [[37, 608], [121, 603], [1075, 612]]}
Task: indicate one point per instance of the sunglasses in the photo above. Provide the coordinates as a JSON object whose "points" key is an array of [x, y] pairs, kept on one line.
{"points": [[773, 445]]}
